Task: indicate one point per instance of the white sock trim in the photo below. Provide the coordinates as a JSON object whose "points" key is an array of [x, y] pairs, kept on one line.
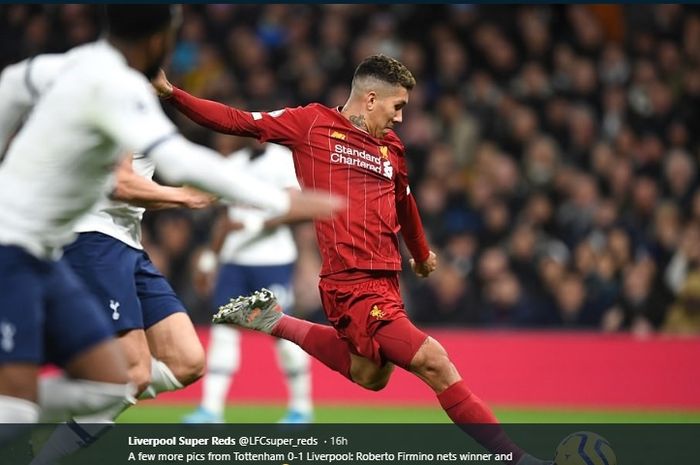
{"points": [[162, 378]]}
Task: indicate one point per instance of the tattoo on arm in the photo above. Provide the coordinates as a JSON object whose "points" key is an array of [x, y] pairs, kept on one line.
{"points": [[358, 121]]}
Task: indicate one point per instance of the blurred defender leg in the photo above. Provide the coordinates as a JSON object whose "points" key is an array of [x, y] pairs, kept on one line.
{"points": [[223, 362], [18, 394], [296, 366]]}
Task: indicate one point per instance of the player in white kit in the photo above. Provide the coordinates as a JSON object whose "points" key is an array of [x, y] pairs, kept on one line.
{"points": [[248, 261], [145, 313], [162, 347], [56, 168]]}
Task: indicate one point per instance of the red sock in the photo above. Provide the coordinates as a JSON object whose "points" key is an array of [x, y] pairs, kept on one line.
{"points": [[319, 341], [472, 415]]}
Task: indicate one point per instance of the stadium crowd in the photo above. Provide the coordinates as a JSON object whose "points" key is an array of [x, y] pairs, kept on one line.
{"points": [[553, 150]]}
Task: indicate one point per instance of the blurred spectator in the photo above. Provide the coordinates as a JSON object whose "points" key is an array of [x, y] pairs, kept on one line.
{"points": [[506, 303], [492, 263], [684, 315], [641, 306], [523, 255], [680, 178], [541, 161], [576, 215], [457, 127], [448, 299], [495, 224], [575, 309]]}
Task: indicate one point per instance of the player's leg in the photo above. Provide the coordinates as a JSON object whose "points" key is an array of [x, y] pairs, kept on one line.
{"points": [[294, 362], [368, 374], [296, 367], [96, 385], [18, 393], [18, 399], [408, 347], [261, 312], [224, 354], [136, 298], [134, 344], [21, 340], [87, 423], [80, 339], [106, 266], [177, 353], [223, 362], [97, 388], [324, 344]]}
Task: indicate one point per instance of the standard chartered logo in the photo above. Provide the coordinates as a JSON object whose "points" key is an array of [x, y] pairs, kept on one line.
{"points": [[362, 159]]}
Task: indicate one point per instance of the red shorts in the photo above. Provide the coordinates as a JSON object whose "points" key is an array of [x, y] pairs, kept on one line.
{"points": [[371, 318]]}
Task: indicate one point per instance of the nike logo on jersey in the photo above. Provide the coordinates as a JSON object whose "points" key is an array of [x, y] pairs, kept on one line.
{"points": [[338, 135]]}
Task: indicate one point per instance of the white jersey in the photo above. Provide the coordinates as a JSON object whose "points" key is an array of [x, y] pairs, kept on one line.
{"points": [[117, 219], [61, 162], [32, 79], [271, 246], [23, 83]]}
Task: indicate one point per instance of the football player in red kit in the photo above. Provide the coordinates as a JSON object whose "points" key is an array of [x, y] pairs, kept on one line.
{"points": [[352, 151]]}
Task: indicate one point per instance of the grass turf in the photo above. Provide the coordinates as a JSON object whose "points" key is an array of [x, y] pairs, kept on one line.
{"points": [[239, 413]]}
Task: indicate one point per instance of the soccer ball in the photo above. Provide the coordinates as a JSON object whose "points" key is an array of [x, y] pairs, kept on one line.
{"points": [[584, 448]]}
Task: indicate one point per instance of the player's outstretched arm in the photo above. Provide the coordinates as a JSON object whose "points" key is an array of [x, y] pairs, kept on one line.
{"points": [[181, 161], [135, 189], [141, 126], [301, 201], [284, 126], [254, 221], [207, 113]]}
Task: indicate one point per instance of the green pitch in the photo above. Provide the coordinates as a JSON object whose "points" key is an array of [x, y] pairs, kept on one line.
{"points": [[145, 413]]}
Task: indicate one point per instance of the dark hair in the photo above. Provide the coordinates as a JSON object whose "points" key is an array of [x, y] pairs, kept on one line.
{"points": [[133, 22], [385, 69]]}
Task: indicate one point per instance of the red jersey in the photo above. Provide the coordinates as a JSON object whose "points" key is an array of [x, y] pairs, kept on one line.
{"points": [[330, 154]]}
